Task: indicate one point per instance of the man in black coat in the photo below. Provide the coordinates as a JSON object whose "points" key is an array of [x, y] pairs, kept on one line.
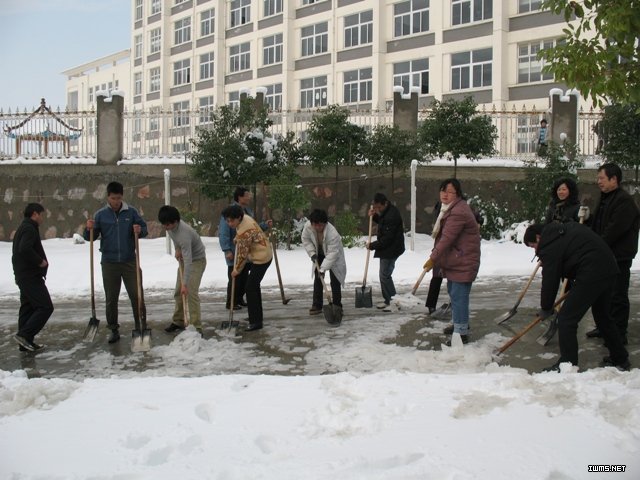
{"points": [[573, 251], [389, 243], [30, 269], [617, 220]]}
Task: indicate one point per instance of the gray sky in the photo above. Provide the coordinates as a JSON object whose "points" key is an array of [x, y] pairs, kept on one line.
{"points": [[41, 38]]}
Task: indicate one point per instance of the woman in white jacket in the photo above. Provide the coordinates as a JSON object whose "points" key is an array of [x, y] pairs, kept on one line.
{"points": [[323, 243]]}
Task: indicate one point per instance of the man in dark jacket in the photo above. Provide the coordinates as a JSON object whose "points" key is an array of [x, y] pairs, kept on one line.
{"points": [[573, 251], [389, 244], [30, 269], [617, 220], [115, 225]]}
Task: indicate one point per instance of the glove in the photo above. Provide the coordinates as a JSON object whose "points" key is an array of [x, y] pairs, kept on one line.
{"points": [[428, 265], [544, 314], [314, 258], [583, 213]]}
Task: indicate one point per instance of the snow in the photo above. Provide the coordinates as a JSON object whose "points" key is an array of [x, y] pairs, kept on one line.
{"points": [[392, 413]]}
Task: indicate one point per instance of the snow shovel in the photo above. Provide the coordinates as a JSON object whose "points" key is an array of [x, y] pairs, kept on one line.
{"points": [[364, 296], [536, 321], [274, 247], [185, 303], [92, 327], [551, 330], [506, 316], [140, 337], [231, 323], [332, 313]]}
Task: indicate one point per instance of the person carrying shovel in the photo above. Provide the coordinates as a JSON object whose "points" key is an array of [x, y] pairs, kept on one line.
{"points": [[323, 244]]}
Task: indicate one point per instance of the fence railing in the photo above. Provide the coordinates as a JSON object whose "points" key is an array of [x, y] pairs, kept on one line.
{"points": [[163, 134]]}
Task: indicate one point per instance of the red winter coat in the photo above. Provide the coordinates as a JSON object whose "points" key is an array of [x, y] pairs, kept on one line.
{"points": [[457, 247]]}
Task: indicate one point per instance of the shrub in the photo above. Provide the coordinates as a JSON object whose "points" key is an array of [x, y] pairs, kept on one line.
{"points": [[347, 225]]}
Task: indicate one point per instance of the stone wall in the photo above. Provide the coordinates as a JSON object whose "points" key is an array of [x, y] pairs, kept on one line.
{"points": [[72, 193]]}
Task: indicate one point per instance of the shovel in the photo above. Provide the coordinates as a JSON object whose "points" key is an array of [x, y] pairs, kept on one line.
{"points": [[536, 321], [551, 330], [274, 247], [364, 296], [332, 313], [419, 281], [92, 327], [185, 303], [141, 337], [231, 323], [506, 316]]}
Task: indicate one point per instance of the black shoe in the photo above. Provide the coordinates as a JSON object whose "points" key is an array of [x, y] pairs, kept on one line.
{"points": [[448, 330], [553, 368], [36, 347], [465, 340], [28, 345], [431, 309], [595, 333], [114, 336], [235, 307], [252, 327], [315, 310], [173, 328], [624, 366], [241, 303]]}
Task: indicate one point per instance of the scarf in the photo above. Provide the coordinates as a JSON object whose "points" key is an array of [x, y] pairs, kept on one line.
{"points": [[436, 226]]}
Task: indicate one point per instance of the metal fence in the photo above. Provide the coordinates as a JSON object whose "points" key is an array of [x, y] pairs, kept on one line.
{"points": [[166, 134]]}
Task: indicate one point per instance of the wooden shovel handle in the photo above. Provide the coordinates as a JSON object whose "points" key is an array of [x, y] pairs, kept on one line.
{"points": [[419, 281], [366, 265]]}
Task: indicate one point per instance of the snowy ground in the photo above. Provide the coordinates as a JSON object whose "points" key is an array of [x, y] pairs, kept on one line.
{"points": [[377, 398]]}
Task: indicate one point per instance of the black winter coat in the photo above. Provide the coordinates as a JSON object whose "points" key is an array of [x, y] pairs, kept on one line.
{"points": [[562, 212], [618, 223], [573, 251], [28, 252], [390, 237]]}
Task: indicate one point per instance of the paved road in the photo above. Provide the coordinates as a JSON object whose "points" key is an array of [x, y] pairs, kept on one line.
{"points": [[293, 343]]}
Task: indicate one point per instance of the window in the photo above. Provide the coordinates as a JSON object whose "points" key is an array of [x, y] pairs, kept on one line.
{"points": [[178, 2], [90, 94], [182, 72], [410, 17], [137, 125], [239, 57], [154, 80], [272, 7], [207, 22], [309, 2], [234, 99], [466, 11], [240, 12], [182, 31], [272, 49], [358, 29], [206, 66], [181, 113], [529, 67], [137, 83], [358, 85], [527, 133], [155, 40], [315, 39], [137, 41], [206, 107], [274, 97], [471, 69], [313, 92], [525, 6], [156, 6], [138, 10], [414, 73]]}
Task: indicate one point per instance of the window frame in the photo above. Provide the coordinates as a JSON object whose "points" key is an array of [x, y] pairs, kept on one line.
{"points": [[273, 97], [156, 7], [319, 87], [532, 60], [471, 7], [469, 69], [155, 78], [272, 54], [182, 72], [354, 32], [155, 42], [240, 14], [138, 47], [527, 6], [182, 31], [316, 40], [207, 25], [272, 7], [137, 84], [181, 120], [359, 85], [139, 10], [415, 18], [206, 109], [206, 68], [412, 73], [240, 60]]}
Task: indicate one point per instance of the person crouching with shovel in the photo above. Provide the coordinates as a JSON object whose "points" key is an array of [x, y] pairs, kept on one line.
{"points": [[323, 243], [252, 245]]}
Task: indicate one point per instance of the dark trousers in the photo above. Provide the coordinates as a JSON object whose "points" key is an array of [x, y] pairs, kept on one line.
{"points": [[241, 281], [387, 265], [434, 291], [318, 290], [35, 307], [113, 275], [254, 294], [620, 298], [596, 295]]}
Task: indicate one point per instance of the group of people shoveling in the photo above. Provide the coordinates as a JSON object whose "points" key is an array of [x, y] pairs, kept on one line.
{"points": [[592, 263]]}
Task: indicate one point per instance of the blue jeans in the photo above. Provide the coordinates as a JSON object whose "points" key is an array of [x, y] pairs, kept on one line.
{"points": [[459, 294], [387, 265]]}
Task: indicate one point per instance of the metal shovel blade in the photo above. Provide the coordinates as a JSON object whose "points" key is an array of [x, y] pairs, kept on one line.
{"points": [[364, 297], [229, 324], [550, 332], [332, 314], [506, 316], [91, 330], [141, 341]]}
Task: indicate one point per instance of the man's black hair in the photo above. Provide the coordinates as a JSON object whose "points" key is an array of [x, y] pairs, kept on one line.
{"points": [[168, 214], [531, 232], [233, 211], [318, 216], [239, 192], [32, 208], [380, 198], [115, 187], [611, 170]]}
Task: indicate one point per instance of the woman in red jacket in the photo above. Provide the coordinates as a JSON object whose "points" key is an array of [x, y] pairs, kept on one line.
{"points": [[456, 252]]}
